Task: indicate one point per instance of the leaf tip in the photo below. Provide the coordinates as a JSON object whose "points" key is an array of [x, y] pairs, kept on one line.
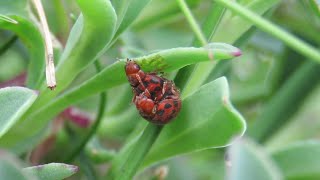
{"points": [[73, 168], [237, 53]]}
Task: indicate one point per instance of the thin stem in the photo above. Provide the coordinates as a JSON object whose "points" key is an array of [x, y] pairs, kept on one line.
{"points": [[193, 23], [201, 71], [209, 26], [94, 127], [269, 27], [50, 70], [139, 151]]}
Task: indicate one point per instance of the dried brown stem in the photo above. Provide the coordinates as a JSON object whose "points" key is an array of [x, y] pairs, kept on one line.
{"points": [[50, 70]]}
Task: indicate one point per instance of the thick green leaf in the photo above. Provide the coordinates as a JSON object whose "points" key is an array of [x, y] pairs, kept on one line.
{"points": [[52, 171], [113, 75], [14, 101], [121, 7], [30, 35], [136, 6], [300, 160], [207, 120], [88, 39], [250, 162], [10, 168]]}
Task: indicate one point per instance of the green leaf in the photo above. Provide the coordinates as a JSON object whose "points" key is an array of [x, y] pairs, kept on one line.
{"points": [[18, 12], [136, 6], [52, 171], [14, 101], [250, 162], [114, 75], [299, 160], [10, 168], [285, 102], [207, 120], [121, 7], [88, 39], [225, 31], [289, 39]]}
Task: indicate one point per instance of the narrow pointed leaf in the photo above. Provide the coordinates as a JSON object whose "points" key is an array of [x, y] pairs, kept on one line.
{"points": [[52, 171]]}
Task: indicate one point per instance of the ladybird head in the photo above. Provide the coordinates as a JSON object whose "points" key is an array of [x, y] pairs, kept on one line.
{"points": [[132, 67]]}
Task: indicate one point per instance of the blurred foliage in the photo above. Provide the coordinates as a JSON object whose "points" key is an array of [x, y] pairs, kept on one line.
{"points": [[273, 86]]}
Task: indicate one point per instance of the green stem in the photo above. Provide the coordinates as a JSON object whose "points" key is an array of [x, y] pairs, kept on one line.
{"points": [[87, 167], [128, 168], [193, 23], [286, 102], [94, 127], [209, 27], [269, 27]]}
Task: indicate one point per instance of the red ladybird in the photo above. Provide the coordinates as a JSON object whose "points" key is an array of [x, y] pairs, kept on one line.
{"points": [[141, 82], [158, 113], [134, 73], [156, 98]]}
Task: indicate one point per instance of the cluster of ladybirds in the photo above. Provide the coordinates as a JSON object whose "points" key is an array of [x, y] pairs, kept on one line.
{"points": [[156, 98]]}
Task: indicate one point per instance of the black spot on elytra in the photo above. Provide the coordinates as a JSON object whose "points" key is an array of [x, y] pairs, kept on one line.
{"points": [[157, 88], [167, 106], [153, 93], [160, 112], [174, 111], [145, 83]]}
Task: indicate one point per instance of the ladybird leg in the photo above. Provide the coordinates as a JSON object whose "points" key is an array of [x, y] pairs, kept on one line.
{"points": [[147, 93], [140, 81], [165, 87], [154, 110]]}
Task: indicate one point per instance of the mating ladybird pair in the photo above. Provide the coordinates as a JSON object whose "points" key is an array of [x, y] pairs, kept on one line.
{"points": [[156, 98]]}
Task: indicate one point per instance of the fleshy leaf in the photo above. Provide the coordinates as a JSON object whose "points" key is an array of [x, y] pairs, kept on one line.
{"points": [[250, 162], [207, 120], [18, 12], [136, 6], [114, 75], [88, 39], [10, 168], [52, 171], [300, 160], [14, 101]]}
